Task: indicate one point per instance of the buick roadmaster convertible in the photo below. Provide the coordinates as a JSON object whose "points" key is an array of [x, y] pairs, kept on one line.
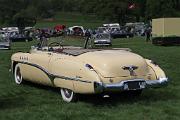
{"points": [[76, 70]]}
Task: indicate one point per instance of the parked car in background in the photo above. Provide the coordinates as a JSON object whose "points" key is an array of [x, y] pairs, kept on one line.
{"points": [[102, 39], [76, 30], [5, 43], [10, 29], [3, 33], [109, 25], [59, 28], [138, 28], [15, 36], [102, 30], [120, 33]]}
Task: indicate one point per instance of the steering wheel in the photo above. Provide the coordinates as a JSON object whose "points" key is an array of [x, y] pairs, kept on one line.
{"points": [[50, 47]]}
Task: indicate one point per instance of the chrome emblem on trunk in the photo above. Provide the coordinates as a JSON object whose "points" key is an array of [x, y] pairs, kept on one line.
{"points": [[131, 69]]}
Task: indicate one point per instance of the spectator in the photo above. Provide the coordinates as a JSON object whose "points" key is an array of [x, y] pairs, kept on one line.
{"points": [[148, 34], [43, 39], [88, 33]]}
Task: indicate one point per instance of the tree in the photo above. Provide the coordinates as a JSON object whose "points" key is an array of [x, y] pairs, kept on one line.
{"points": [[25, 18], [112, 11], [161, 8]]}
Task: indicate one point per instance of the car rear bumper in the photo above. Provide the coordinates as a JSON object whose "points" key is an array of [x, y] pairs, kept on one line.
{"points": [[135, 84], [104, 44], [99, 43]]}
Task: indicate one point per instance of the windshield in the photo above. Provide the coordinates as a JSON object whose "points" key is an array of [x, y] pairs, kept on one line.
{"points": [[115, 29], [102, 29], [102, 36]]}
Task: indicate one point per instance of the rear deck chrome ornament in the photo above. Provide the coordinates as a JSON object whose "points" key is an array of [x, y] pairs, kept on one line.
{"points": [[131, 69]]}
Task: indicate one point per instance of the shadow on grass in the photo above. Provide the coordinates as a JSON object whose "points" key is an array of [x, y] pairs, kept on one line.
{"points": [[147, 97], [43, 87]]}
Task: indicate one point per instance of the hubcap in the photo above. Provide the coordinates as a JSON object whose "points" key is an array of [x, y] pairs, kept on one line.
{"points": [[67, 93], [18, 75]]}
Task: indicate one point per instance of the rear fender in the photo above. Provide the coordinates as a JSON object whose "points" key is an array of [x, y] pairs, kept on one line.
{"points": [[155, 70], [74, 75]]}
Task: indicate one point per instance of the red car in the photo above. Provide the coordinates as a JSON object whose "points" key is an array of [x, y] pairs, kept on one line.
{"points": [[59, 28]]}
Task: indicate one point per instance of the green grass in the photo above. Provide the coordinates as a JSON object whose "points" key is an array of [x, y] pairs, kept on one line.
{"points": [[30, 101], [71, 19]]}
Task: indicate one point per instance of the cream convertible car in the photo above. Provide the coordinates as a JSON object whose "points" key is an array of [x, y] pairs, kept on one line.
{"points": [[77, 70]]}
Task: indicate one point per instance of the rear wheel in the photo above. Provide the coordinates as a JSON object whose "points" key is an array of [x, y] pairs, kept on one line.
{"points": [[17, 75], [68, 95]]}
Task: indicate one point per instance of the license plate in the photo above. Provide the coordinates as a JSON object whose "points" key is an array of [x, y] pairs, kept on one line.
{"points": [[134, 85]]}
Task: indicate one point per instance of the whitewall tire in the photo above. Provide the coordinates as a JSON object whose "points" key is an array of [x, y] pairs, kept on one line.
{"points": [[17, 74], [68, 95]]}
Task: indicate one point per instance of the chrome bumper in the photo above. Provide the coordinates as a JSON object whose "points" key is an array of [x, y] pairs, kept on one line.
{"points": [[126, 85]]}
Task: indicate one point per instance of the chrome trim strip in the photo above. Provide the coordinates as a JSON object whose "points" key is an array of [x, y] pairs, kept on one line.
{"points": [[52, 76], [157, 83], [121, 86], [73, 79]]}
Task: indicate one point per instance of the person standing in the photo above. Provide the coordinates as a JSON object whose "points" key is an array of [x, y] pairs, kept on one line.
{"points": [[88, 34], [148, 34], [43, 38]]}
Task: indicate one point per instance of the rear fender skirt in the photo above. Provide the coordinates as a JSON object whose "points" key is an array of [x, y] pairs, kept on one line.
{"points": [[52, 76]]}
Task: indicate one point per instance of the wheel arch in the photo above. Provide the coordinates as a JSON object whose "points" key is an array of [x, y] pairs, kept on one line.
{"points": [[14, 63]]}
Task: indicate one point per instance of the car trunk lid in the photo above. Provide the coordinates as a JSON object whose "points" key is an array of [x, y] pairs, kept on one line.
{"points": [[116, 63]]}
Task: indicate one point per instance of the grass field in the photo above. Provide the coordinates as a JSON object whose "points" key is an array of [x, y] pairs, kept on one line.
{"points": [[35, 102], [72, 19]]}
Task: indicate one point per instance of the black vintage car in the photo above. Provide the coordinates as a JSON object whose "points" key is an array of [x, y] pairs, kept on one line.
{"points": [[120, 33], [15, 36]]}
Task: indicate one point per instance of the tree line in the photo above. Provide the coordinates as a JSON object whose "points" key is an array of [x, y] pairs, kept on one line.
{"points": [[13, 11]]}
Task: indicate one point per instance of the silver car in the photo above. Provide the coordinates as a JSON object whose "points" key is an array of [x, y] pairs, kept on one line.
{"points": [[4, 42], [102, 39]]}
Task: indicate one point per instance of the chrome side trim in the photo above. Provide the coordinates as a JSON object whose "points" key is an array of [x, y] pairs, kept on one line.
{"points": [[122, 86], [73, 79], [52, 76]]}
